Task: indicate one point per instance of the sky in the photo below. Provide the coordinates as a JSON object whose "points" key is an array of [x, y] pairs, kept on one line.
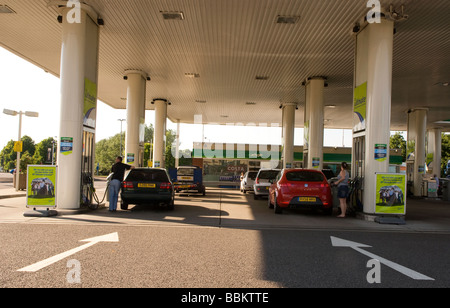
{"points": [[26, 87]]}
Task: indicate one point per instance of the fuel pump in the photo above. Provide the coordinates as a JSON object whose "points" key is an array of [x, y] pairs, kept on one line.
{"points": [[87, 166], [358, 166]]}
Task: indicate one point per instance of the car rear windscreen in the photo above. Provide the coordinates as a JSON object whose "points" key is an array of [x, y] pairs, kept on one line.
{"points": [[304, 176], [147, 176], [252, 175], [268, 175]]}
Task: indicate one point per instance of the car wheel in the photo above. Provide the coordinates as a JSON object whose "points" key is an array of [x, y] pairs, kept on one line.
{"points": [[269, 203], [276, 208], [244, 191], [123, 206]]}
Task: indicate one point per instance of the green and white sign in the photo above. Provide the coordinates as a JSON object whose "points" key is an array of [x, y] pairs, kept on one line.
{"points": [[380, 152], [410, 149], [130, 158], [390, 193], [66, 145], [316, 162], [90, 103], [41, 186], [359, 107]]}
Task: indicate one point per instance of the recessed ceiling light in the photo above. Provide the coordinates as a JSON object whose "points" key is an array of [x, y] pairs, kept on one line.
{"points": [[173, 15], [123, 98], [192, 75], [250, 103], [283, 19], [444, 84], [200, 101], [4, 9], [330, 106], [224, 116], [260, 77], [443, 122]]}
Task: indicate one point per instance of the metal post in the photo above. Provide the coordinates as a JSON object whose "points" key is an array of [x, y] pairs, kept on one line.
{"points": [[18, 153], [121, 122], [53, 151], [177, 147]]}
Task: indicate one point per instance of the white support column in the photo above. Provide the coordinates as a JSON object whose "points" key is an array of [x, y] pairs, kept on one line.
{"points": [[79, 62], [135, 113], [314, 113], [417, 125], [159, 140], [288, 134], [434, 151], [372, 103]]}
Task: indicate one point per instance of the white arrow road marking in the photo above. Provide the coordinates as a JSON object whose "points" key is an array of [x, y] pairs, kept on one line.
{"points": [[112, 237], [337, 242]]}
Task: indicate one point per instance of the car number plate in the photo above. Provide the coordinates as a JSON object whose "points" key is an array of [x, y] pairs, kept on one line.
{"points": [[307, 199], [146, 185]]}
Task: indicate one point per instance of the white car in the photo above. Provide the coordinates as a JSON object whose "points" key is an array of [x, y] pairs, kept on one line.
{"points": [[263, 182], [248, 181]]}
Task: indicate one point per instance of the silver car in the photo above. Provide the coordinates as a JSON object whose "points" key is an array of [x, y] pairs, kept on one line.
{"points": [[263, 182]]}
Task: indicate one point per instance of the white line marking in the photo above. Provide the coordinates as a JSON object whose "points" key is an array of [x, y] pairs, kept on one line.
{"points": [[112, 237], [337, 242]]}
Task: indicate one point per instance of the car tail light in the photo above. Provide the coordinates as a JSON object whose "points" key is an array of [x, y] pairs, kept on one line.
{"points": [[257, 181], [324, 185], [127, 184], [165, 186]]}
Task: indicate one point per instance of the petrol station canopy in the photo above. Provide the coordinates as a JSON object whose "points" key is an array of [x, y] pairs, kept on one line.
{"points": [[236, 61]]}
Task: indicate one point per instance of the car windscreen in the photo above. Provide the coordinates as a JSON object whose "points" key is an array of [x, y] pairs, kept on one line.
{"points": [[268, 174], [304, 176], [185, 171], [149, 175], [252, 175]]}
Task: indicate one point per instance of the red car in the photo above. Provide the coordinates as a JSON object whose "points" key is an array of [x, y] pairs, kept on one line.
{"points": [[300, 188]]}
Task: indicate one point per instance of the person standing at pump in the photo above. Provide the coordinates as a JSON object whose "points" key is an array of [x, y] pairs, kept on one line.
{"points": [[118, 170], [342, 184]]}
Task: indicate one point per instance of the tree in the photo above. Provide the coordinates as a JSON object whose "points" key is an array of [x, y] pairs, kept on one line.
{"points": [[398, 142], [25, 160], [28, 145], [9, 156], [149, 130], [106, 151], [41, 153], [170, 139]]}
